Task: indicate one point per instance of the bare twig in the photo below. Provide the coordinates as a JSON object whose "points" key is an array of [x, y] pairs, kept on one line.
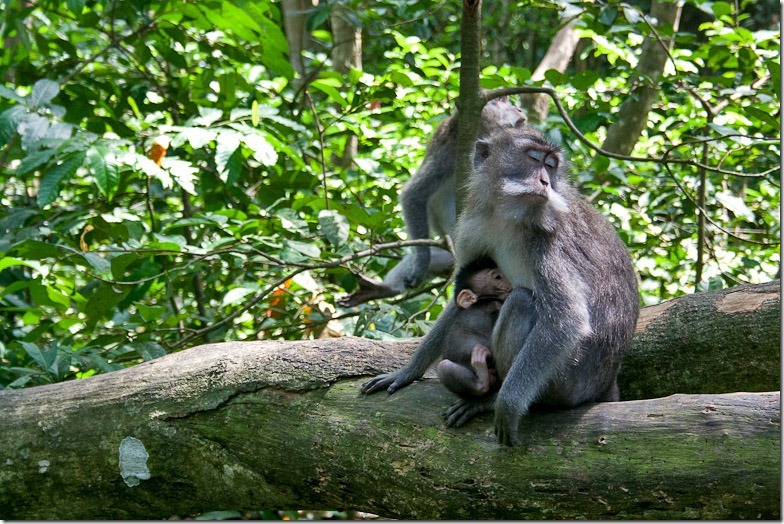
{"points": [[320, 130], [506, 91]]}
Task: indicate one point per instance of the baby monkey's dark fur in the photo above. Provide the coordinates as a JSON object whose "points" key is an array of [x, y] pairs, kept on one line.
{"points": [[467, 368]]}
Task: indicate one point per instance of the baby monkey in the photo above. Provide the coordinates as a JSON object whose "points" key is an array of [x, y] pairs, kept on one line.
{"points": [[467, 368]]}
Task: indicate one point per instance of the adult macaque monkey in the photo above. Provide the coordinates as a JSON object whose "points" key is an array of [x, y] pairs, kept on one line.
{"points": [[467, 369], [522, 213], [428, 202]]}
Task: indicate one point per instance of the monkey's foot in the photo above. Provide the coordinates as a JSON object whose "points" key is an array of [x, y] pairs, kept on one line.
{"points": [[368, 290], [464, 410], [484, 379]]}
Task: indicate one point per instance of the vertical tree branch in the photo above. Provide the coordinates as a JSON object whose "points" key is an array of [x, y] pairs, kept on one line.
{"points": [[702, 199], [557, 57], [633, 114], [346, 53], [471, 100]]}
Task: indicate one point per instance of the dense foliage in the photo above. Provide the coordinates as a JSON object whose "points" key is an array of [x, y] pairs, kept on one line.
{"points": [[167, 179]]}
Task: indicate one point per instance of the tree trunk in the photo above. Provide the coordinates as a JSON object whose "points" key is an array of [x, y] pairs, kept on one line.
{"points": [[633, 113], [346, 53], [557, 57], [281, 425], [713, 342], [470, 101], [295, 16]]}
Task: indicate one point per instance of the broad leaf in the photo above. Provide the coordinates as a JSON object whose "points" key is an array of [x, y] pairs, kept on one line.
{"points": [[334, 227], [51, 181], [43, 92], [105, 172]]}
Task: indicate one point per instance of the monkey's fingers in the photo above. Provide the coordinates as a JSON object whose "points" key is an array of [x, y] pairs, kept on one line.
{"points": [[464, 410], [375, 384], [507, 431], [391, 382]]}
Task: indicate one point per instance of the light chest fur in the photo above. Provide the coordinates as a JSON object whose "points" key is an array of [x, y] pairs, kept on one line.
{"points": [[501, 241]]}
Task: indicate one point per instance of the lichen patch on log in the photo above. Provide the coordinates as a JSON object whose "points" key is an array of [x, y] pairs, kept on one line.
{"points": [[743, 301]]}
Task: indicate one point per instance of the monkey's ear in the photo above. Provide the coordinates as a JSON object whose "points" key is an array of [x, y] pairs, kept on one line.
{"points": [[482, 152], [466, 298]]}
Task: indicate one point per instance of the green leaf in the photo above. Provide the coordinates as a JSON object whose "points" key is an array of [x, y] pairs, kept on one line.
{"points": [[586, 79], [58, 298], [45, 358], [31, 161], [227, 145], [236, 295], [774, 68], [134, 108], [608, 15], [10, 93], [555, 77], [150, 313], [291, 221], [97, 262], [9, 121], [32, 249], [43, 92], [106, 174], [75, 6], [207, 116], [233, 167], [736, 205], [35, 129], [6, 262], [305, 248], [319, 16], [148, 350], [103, 301], [197, 137], [254, 113], [121, 262], [183, 172], [721, 8], [50, 183], [263, 152], [763, 116], [334, 226], [334, 95]]}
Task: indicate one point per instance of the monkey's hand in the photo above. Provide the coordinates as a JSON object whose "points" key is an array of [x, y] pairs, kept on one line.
{"points": [[507, 422], [464, 410], [391, 382]]}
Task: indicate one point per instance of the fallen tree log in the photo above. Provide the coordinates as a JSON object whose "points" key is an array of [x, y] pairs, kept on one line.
{"points": [[714, 342], [258, 425]]}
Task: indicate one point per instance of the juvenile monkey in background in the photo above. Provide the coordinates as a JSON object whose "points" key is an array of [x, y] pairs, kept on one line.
{"points": [[428, 202], [522, 213], [467, 368]]}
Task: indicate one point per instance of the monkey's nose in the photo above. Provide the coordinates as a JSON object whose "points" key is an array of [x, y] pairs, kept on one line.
{"points": [[545, 182]]}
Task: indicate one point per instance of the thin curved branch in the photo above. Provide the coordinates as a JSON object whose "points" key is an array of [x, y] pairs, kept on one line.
{"points": [[506, 91]]}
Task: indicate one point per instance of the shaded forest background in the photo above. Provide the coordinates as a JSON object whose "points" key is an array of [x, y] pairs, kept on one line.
{"points": [[178, 173]]}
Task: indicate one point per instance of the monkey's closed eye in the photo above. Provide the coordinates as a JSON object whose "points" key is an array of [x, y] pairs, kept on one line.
{"points": [[535, 154], [551, 161]]}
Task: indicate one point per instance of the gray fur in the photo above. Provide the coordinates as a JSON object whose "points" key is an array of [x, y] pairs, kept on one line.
{"points": [[554, 243], [428, 202]]}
